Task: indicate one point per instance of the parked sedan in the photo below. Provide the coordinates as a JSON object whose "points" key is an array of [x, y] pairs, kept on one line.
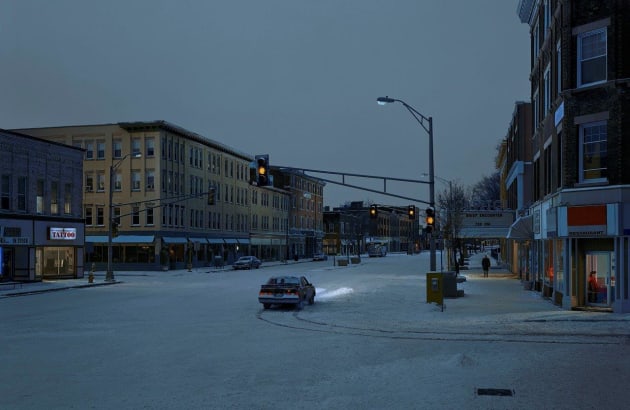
{"points": [[320, 256], [247, 262]]}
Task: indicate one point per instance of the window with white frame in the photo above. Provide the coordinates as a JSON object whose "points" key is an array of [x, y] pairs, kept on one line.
{"points": [[593, 151], [136, 179], [136, 147], [89, 217], [100, 182], [117, 148], [150, 146], [150, 180], [591, 56], [117, 182], [89, 150], [100, 149]]}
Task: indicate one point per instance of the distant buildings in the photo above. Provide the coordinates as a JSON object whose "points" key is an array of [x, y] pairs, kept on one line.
{"points": [[181, 192], [349, 230]]}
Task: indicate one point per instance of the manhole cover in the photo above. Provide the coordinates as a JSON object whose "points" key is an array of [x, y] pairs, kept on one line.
{"points": [[495, 392]]}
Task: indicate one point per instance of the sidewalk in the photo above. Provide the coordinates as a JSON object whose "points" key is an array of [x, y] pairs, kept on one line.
{"points": [[52, 285]]}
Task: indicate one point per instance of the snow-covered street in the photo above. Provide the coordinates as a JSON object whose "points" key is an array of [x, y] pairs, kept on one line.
{"points": [[200, 340]]}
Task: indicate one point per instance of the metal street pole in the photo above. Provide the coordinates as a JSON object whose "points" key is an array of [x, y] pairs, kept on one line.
{"points": [[421, 120], [109, 275]]}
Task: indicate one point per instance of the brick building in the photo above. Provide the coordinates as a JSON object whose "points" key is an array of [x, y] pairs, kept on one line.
{"points": [[580, 79]]}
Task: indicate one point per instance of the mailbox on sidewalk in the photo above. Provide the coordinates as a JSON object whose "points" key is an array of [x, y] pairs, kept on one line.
{"points": [[435, 286]]}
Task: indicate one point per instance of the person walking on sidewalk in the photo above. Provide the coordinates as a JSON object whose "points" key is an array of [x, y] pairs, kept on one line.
{"points": [[485, 264]]}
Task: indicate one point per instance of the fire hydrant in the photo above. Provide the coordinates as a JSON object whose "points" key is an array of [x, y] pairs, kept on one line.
{"points": [[91, 274]]}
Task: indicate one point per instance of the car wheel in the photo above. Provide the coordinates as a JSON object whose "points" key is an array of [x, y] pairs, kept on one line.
{"points": [[266, 305], [311, 300]]}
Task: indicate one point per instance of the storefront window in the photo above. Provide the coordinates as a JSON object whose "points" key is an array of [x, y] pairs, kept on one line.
{"points": [[56, 261], [559, 262]]}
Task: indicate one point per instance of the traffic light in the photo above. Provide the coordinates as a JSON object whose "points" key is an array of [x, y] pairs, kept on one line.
{"points": [[373, 211], [411, 211], [114, 229], [430, 220], [262, 170], [211, 196]]}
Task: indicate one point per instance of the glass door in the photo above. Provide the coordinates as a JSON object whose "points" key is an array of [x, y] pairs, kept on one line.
{"points": [[600, 278]]}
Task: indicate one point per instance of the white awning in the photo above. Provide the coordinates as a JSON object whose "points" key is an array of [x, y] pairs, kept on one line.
{"points": [[522, 229]]}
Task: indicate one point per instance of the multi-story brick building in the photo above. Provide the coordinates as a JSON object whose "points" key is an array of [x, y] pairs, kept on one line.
{"points": [[162, 174], [41, 221], [580, 78]]}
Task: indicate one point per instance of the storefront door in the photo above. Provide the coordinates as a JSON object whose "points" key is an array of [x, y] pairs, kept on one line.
{"points": [[600, 278]]}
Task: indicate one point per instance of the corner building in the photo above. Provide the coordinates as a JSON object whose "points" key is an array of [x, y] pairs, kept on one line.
{"points": [[41, 224], [580, 79]]}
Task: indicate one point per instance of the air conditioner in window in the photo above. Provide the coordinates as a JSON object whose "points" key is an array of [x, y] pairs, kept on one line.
{"points": [[89, 189], [150, 186]]}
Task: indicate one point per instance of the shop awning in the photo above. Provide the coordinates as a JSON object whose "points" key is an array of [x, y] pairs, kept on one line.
{"points": [[96, 238], [134, 239], [484, 232], [171, 240], [215, 241], [243, 241], [522, 229], [231, 241], [121, 239]]}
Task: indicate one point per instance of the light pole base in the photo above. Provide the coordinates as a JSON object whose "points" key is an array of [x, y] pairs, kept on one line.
{"points": [[109, 276]]}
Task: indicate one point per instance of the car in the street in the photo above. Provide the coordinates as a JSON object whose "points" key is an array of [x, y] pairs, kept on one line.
{"points": [[247, 262], [320, 256], [287, 290]]}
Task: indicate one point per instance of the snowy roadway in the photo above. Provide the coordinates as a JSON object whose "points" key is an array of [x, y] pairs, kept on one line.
{"points": [[201, 340]]}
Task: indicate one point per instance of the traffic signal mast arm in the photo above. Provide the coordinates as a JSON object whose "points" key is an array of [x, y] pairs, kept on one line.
{"points": [[346, 174]]}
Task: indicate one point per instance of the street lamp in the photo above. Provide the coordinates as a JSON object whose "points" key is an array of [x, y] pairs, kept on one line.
{"points": [[109, 274], [423, 121]]}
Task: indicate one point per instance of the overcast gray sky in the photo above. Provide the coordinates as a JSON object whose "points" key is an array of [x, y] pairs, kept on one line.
{"points": [[295, 79]]}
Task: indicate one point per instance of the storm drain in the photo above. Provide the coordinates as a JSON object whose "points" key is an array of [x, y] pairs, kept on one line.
{"points": [[495, 392]]}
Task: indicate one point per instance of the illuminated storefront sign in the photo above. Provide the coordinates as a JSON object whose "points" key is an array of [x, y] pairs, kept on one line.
{"points": [[62, 234], [587, 221]]}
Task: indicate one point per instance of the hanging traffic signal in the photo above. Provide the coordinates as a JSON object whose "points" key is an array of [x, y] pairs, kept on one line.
{"points": [[430, 219], [211, 196], [411, 211], [262, 170], [373, 211]]}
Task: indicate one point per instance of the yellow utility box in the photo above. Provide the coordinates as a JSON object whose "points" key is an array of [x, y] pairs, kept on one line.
{"points": [[435, 288]]}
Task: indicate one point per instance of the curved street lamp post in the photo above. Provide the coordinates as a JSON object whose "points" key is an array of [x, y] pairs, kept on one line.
{"points": [[427, 124]]}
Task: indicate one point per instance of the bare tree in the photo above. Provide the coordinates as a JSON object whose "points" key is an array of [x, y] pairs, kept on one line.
{"points": [[452, 203], [487, 190]]}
